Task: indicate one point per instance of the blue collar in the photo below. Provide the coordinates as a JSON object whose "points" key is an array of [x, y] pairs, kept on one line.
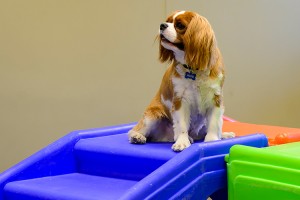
{"points": [[187, 66]]}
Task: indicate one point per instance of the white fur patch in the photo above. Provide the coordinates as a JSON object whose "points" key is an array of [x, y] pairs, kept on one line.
{"points": [[148, 124], [179, 13], [136, 137], [227, 135], [179, 56], [170, 33], [167, 103], [215, 123], [181, 143]]}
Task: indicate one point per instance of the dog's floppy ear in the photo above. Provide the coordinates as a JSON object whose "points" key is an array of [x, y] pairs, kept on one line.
{"points": [[165, 55], [199, 43]]}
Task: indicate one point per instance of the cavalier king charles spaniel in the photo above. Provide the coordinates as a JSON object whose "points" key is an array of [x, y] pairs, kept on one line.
{"points": [[189, 103]]}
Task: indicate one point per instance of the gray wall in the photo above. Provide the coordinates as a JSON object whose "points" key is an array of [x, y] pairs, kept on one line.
{"points": [[69, 65]]}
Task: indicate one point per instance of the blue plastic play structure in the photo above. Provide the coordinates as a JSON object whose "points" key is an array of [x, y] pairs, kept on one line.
{"points": [[101, 164]]}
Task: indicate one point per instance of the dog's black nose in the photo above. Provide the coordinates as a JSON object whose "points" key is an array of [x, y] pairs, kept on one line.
{"points": [[163, 26]]}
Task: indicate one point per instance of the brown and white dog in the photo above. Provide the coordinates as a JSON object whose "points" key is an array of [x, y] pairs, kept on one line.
{"points": [[189, 102]]}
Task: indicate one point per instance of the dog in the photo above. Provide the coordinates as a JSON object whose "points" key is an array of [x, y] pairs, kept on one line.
{"points": [[189, 103]]}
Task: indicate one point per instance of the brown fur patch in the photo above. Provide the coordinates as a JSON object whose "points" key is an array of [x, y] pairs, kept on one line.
{"points": [[165, 55], [139, 125], [166, 87], [183, 19], [199, 42], [176, 103], [156, 112], [216, 64], [218, 100]]}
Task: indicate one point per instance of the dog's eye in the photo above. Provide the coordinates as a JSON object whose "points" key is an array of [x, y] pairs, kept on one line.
{"points": [[180, 26]]}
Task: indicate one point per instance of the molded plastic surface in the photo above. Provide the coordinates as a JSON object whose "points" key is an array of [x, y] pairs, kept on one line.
{"points": [[275, 134], [114, 156], [268, 173], [101, 164], [57, 158], [69, 186]]}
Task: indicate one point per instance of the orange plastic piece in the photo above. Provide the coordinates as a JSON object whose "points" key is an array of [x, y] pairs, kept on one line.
{"points": [[225, 118], [276, 134], [284, 138]]}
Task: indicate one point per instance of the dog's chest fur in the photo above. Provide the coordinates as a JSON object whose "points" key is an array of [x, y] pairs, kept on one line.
{"points": [[198, 93]]}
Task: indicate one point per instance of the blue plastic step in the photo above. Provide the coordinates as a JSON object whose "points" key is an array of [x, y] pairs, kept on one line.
{"points": [[73, 186], [114, 156], [102, 164], [55, 159]]}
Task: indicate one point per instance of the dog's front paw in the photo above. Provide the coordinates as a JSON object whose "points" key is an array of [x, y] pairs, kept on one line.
{"points": [[227, 135], [136, 137], [211, 137], [181, 143]]}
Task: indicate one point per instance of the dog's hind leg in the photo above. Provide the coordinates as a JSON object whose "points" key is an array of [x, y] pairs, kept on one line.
{"points": [[139, 133]]}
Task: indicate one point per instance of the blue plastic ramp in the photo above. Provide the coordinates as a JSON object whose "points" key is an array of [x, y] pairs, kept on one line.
{"points": [[101, 164]]}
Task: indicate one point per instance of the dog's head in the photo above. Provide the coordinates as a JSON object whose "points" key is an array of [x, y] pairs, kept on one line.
{"points": [[189, 39]]}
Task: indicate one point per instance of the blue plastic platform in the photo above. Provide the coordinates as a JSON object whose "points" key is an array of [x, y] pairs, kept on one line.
{"points": [[102, 164]]}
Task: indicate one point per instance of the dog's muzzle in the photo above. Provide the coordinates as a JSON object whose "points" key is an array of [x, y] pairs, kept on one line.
{"points": [[163, 26]]}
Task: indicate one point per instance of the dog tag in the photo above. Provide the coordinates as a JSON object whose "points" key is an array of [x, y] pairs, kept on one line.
{"points": [[190, 75]]}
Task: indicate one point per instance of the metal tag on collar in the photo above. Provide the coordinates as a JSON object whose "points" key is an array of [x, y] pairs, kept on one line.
{"points": [[190, 75]]}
